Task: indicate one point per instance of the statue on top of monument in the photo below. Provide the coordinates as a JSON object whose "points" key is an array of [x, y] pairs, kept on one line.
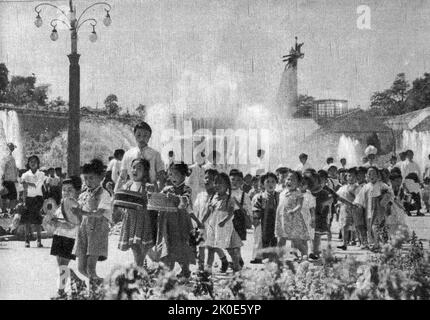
{"points": [[294, 55]]}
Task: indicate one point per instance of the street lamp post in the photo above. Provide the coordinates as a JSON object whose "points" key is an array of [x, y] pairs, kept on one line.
{"points": [[73, 23]]}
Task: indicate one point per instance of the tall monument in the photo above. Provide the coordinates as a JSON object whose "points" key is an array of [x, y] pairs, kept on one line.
{"points": [[287, 97]]}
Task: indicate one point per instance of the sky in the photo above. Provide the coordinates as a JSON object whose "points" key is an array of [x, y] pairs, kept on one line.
{"points": [[164, 51]]}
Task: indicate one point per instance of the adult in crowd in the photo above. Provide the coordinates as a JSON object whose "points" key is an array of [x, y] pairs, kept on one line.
{"points": [[262, 165], [343, 163], [196, 180], [171, 159], [329, 163], [9, 180], [410, 166], [142, 133], [114, 166], [370, 153], [304, 164], [426, 173], [412, 180], [392, 162], [402, 156]]}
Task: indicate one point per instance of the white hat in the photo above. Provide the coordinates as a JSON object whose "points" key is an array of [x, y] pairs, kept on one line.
{"points": [[370, 150]]}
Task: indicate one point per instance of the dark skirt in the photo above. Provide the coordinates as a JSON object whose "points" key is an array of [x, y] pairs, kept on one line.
{"points": [[11, 190], [63, 247], [173, 238], [32, 214]]}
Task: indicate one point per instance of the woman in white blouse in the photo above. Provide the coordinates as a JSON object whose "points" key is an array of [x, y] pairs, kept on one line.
{"points": [[32, 181]]}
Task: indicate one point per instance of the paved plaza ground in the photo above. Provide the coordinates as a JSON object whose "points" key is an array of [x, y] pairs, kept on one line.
{"points": [[30, 273]]}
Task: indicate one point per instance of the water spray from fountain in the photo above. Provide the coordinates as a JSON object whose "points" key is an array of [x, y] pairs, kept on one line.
{"points": [[11, 132]]}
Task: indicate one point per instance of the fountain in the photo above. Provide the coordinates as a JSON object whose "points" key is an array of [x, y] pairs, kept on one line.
{"points": [[208, 113], [349, 149], [11, 132], [419, 143], [99, 139]]}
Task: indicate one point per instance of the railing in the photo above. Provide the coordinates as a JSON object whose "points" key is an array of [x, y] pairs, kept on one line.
{"points": [[42, 111]]}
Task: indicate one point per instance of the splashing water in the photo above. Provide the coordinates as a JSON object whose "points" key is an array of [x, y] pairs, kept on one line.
{"points": [[348, 149], [99, 139], [419, 143], [217, 103], [11, 133]]}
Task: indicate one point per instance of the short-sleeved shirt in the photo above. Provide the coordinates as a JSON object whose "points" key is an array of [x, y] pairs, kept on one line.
{"points": [[410, 167], [302, 167], [153, 156], [104, 203], [114, 166], [53, 182], [64, 232], [37, 178]]}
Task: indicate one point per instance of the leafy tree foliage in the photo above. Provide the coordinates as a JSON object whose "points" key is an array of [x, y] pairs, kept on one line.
{"points": [[111, 105], [4, 81], [305, 105], [401, 97], [141, 110]]}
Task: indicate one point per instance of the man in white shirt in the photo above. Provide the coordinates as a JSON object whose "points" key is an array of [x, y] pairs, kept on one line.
{"points": [[410, 166], [196, 180], [399, 164], [142, 134], [303, 163]]}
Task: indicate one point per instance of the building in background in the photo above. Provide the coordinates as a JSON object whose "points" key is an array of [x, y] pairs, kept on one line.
{"points": [[327, 109]]}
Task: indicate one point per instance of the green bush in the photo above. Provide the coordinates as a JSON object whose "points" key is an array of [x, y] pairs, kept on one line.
{"points": [[400, 271]]}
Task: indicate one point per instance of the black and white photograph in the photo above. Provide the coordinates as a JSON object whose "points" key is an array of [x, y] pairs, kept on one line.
{"points": [[215, 150]]}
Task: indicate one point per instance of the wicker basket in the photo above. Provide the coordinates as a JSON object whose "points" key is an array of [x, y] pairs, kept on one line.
{"points": [[160, 202]]}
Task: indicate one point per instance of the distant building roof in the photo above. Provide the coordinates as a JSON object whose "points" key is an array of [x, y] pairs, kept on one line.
{"points": [[329, 100], [356, 120], [418, 120]]}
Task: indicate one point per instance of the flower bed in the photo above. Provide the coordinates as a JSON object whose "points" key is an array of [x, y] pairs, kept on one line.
{"points": [[400, 271]]}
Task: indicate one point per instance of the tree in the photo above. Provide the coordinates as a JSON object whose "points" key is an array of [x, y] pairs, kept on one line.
{"points": [[4, 81], [56, 103], [40, 94], [111, 105], [21, 89], [391, 101], [141, 110], [305, 105], [419, 95]]}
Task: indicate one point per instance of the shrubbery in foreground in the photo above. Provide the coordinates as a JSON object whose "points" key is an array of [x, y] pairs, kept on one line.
{"points": [[400, 271]]}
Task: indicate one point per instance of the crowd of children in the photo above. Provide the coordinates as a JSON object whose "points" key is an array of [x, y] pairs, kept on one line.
{"points": [[285, 207]]}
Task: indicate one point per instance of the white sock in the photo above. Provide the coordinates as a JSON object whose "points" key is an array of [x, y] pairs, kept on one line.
{"points": [[63, 277]]}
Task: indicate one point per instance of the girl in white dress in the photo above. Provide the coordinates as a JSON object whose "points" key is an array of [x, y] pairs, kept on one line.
{"points": [[220, 231]]}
